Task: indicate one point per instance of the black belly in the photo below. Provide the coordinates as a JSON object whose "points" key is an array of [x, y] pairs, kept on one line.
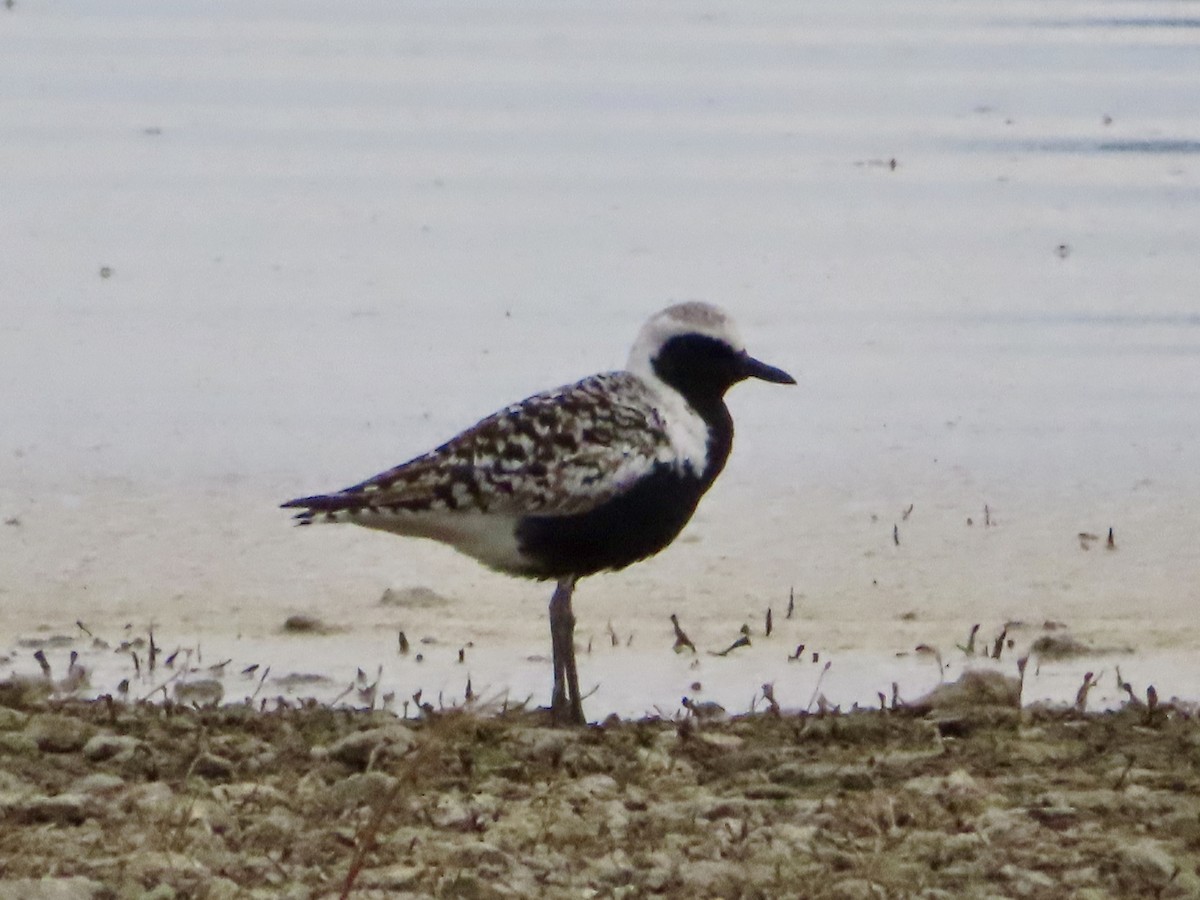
{"points": [[622, 531]]}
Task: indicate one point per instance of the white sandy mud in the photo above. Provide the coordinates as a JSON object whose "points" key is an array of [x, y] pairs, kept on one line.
{"points": [[251, 253]]}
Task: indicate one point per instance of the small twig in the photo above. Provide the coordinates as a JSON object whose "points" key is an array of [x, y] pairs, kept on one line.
{"points": [[336, 700], [817, 688], [743, 641], [682, 641], [1081, 695], [969, 649], [1120, 782], [366, 838], [261, 681], [998, 646], [768, 692], [937, 656], [175, 676]]}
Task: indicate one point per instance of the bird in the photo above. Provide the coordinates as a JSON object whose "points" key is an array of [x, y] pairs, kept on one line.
{"points": [[586, 478]]}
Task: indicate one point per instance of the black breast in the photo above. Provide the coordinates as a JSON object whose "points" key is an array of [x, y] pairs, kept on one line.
{"points": [[630, 527], [648, 516]]}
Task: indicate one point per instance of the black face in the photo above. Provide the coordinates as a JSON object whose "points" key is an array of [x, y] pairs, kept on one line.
{"points": [[704, 368]]}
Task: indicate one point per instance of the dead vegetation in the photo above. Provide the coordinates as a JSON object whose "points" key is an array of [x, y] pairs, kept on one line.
{"points": [[963, 796]]}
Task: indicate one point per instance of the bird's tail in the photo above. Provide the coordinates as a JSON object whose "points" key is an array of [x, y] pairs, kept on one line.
{"points": [[324, 508]]}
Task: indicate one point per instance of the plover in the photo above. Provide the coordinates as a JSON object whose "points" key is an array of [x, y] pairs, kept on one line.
{"points": [[590, 477]]}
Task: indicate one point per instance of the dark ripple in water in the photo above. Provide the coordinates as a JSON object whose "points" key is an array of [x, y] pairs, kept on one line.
{"points": [[1105, 22], [1104, 319], [1161, 146]]}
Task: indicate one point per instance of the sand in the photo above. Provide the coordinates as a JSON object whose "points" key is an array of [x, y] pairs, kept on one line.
{"points": [[253, 253]]}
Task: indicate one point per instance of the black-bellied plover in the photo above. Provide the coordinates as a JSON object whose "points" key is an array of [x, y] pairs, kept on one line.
{"points": [[586, 478]]}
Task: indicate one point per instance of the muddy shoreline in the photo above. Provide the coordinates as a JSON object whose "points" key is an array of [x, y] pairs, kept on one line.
{"points": [[955, 799]]}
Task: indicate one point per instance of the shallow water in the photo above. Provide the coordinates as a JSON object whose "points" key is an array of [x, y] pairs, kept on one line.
{"points": [[252, 254]]}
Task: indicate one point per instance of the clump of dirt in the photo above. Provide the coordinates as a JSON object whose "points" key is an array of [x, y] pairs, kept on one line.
{"points": [[418, 597], [1062, 646], [302, 624], [111, 799]]}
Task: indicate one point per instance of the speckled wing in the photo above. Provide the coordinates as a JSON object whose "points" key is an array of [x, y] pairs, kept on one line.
{"points": [[556, 453]]}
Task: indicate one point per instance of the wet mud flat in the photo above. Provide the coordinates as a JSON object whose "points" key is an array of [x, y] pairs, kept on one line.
{"points": [[104, 799]]}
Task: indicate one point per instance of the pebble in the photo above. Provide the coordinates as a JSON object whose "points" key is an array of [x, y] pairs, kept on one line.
{"points": [[52, 889], [12, 719], [719, 741], [794, 774], [359, 789], [615, 867], [164, 867], [1026, 881], [221, 888], [11, 783], [99, 783], [856, 889], [212, 767], [394, 878], [201, 692], [152, 798], [58, 734], [107, 746], [616, 817], [598, 785], [856, 778], [249, 792], [451, 811], [958, 783], [481, 853], [1149, 860], [799, 838], [544, 743], [360, 749], [61, 809], [710, 877], [275, 829], [17, 743]]}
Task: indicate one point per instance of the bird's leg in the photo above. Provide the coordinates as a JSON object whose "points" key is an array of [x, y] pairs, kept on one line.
{"points": [[565, 705], [558, 697]]}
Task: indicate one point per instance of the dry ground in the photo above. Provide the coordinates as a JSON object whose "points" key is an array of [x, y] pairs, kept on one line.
{"points": [[102, 799]]}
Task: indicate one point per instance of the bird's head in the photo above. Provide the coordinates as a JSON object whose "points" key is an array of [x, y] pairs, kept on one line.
{"points": [[695, 348]]}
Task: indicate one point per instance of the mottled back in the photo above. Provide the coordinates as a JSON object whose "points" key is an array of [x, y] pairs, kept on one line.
{"points": [[561, 452]]}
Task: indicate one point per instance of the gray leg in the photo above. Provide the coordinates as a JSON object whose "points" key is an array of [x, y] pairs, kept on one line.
{"points": [[565, 704]]}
